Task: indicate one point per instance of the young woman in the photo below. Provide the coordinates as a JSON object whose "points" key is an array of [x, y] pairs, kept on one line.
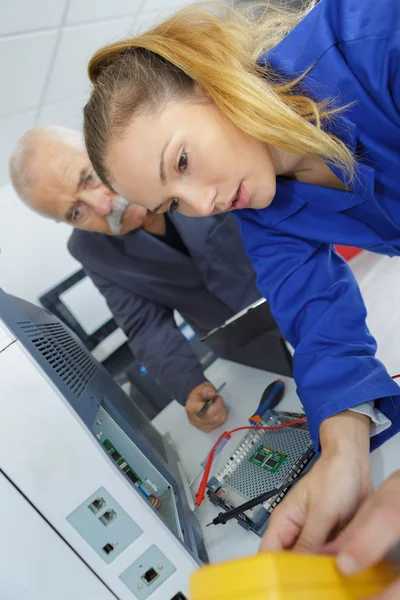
{"points": [[295, 125]]}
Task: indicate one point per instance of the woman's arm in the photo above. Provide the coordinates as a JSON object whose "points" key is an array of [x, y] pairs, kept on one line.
{"points": [[328, 497], [317, 304]]}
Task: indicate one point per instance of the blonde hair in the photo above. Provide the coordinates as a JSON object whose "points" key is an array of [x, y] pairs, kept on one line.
{"points": [[216, 47]]}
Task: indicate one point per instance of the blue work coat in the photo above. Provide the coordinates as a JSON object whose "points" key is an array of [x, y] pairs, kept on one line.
{"points": [[352, 48]]}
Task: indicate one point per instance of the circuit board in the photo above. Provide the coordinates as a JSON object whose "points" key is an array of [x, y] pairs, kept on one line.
{"points": [[121, 462], [145, 487], [268, 459], [262, 461]]}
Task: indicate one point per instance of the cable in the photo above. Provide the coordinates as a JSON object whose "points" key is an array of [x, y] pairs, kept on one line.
{"points": [[200, 495], [195, 477], [224, 517]]}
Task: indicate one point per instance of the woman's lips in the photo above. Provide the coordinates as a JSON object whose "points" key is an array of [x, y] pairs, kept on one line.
{"points": [[241, 199]]}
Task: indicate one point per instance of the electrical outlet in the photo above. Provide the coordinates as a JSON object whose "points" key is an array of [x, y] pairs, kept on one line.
{"points": [[105, 525]]}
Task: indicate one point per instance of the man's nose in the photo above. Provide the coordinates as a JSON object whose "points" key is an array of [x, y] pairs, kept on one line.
{"points": [[101, 200]]}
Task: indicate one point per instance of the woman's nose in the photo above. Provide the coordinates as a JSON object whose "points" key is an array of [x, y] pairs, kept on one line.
{"points": [[202, 202], [204, 210]]}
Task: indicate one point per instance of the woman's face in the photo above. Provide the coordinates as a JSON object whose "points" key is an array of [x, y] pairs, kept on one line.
{"points": [[189, 157]]}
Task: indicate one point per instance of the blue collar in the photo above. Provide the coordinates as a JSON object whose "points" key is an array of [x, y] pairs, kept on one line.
{"points": [[292, 195]]}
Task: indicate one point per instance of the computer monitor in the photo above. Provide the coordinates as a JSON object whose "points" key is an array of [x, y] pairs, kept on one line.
{"points": [[80, 305], [90, 464]]}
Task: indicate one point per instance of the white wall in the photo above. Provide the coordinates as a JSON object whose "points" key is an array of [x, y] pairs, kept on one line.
{"points": [[44, 49], [33, 255]]}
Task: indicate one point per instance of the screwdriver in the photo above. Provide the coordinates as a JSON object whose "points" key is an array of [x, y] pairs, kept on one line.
{"points": [[270, 398], [207, 404]]}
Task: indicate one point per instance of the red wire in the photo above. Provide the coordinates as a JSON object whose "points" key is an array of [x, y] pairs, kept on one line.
{"points": [[200, 495]]}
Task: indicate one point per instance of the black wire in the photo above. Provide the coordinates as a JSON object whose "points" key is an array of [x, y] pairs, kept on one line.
{"points": [[224, 517]]}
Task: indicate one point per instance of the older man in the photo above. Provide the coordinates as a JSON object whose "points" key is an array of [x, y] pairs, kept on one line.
{"points": [[146, 265]]}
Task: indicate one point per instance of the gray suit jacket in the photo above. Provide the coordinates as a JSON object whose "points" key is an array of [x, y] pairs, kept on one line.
{"points": [[144, 280]]}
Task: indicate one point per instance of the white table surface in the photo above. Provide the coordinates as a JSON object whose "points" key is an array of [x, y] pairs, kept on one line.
{"points": [[242, 394]]}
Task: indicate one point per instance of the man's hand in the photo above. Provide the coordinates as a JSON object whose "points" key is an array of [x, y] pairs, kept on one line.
{"points": [[216, 413], [371, 534], [328, 497]]}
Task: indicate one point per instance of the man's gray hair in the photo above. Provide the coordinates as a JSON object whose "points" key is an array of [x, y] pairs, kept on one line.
{"points": [[21, 160]]}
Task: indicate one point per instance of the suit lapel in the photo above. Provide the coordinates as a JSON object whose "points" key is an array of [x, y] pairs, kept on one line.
{"points": [[143, 245]]}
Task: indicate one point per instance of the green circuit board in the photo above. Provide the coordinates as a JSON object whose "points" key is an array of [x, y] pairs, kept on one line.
{"points": [[121, 462], [268, 459]]}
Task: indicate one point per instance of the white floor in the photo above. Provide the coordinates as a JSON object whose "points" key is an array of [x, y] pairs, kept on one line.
{"points": [[379, 279]]}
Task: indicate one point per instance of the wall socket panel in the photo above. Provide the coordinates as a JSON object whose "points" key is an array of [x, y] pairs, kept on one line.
{"points": [[104, 524], [148, 573]]}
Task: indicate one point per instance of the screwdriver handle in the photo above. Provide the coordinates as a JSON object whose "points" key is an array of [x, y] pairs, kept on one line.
{"points": [[271, 397]]}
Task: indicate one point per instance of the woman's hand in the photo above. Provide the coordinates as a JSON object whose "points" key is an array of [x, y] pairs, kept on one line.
{"points": [[328, 497], [371, 534]]}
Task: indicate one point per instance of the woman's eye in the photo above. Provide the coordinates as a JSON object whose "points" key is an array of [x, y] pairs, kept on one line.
{"points": [[173, 205], [183, 162]]}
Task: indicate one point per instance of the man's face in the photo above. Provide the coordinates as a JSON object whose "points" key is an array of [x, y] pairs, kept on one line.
{"points": [[67, 189]]}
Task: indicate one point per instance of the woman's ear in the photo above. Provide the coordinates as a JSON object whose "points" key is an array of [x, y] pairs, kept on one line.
{"points": [[201, 94]]}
